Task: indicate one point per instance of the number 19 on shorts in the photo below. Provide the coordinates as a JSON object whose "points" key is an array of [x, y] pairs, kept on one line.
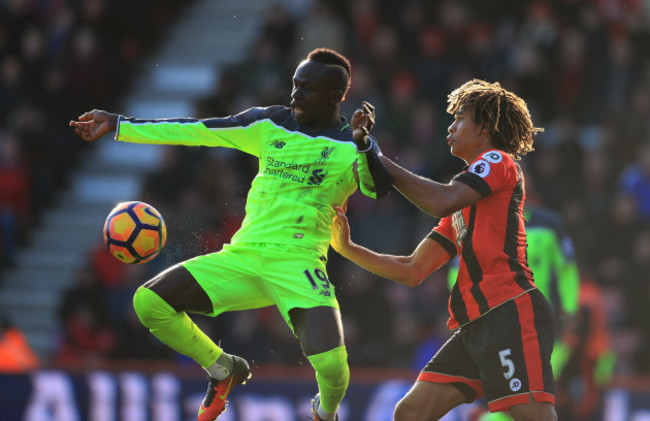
{"points": [[318, 279]]}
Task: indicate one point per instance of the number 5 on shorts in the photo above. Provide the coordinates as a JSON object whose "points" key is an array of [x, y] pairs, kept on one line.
{"points": [[507, 363]]}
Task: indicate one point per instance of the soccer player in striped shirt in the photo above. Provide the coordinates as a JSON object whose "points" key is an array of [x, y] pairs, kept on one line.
{"points": [[503, 325], [310, 159]]}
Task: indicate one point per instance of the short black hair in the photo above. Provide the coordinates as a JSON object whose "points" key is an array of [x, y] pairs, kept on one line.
{"points": [[329, 56]]}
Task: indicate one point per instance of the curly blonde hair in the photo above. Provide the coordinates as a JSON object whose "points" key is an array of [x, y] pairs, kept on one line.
{"points": [[503, 113]]}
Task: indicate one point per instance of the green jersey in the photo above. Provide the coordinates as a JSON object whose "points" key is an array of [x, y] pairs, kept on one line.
{"points": [[552, 258], [302, 172]]}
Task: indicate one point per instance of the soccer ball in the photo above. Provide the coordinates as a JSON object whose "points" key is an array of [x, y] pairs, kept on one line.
{"points": [[134, 232]]}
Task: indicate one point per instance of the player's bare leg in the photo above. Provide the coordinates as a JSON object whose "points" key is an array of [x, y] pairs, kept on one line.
{"points": [[534, 411], [428, 401]]}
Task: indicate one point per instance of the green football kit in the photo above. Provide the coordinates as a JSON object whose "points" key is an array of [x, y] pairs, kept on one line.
{"points": [[278, 256], [552, 258]]}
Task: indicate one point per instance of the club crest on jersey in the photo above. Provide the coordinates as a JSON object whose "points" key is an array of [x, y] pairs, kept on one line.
{"points": [[493, 157], [480, 168], [325, 154]]}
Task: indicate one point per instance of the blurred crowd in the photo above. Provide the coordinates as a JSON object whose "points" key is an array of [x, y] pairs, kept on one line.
{"points": [[56, 58], [583, 66]]}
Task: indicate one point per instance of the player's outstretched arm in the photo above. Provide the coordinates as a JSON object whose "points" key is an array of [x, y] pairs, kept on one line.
{"points": [[434, 198], [406, 270], [94, 124]]}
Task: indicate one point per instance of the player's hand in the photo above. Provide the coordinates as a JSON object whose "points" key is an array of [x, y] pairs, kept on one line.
{"points": [[340, 237], [94, 124], [363, 120]]}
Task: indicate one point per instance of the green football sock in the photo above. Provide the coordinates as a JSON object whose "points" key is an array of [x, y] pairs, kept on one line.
{"points": [[174, 329], [332, 375]]}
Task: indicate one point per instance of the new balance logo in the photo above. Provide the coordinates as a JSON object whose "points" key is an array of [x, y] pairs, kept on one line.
{"points": [[278, 143], [316, 178]]}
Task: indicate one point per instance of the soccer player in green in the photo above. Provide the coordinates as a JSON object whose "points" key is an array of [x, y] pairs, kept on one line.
{"points": [[310, 159]]}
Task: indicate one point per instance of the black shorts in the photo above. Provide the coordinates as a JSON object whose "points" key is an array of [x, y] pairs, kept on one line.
{"points": [[505, 355]]}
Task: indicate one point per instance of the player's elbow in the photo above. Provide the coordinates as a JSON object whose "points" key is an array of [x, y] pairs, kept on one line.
{"points": [[438, 208], [447, 203], [411, 282], [443, 211], [412, 277], [445, 207]]}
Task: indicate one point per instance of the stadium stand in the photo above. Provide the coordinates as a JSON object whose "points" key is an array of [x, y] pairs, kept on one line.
{"points": [[583, 67]]}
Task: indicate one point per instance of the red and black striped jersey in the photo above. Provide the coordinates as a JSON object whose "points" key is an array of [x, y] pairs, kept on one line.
{"points": [[489, 237]]}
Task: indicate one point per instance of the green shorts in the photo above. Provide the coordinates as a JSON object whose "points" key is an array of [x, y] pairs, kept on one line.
{"points": [[243, 277]]}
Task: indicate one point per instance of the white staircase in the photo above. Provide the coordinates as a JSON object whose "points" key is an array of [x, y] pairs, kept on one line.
{"points": [[212, 33]]}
